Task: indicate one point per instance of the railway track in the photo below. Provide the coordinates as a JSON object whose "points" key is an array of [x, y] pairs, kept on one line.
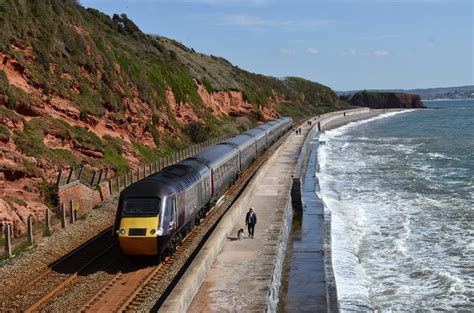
{"points": [[139, 283], [59, 274], [151, 287]]}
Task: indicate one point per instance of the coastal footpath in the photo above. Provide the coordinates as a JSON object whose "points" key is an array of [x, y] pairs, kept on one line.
{"points": [[245, 275]]}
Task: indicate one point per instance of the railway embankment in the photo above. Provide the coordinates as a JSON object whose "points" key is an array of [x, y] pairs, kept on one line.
{"points": [[229, 274]]}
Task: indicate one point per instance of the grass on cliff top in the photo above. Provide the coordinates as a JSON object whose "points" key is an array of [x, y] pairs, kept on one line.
{"points": [[115, 161]]}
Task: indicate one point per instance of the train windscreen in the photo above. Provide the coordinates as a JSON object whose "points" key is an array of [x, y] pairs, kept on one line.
{"points": [[141, 207]]}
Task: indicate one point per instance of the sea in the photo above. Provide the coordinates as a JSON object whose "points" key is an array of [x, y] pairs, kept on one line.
{"points": [[400, 189]]}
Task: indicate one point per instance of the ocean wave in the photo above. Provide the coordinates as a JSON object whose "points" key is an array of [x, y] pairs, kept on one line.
{"points": [[401, 219]]}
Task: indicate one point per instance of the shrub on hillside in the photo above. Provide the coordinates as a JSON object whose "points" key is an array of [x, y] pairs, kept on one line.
{"points": [[197, 132]]}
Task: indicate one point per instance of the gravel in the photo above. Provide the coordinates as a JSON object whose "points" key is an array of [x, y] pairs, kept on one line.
{"points": [[18, 271]]}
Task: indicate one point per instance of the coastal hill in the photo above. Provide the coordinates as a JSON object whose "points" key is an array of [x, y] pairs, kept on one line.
{"points": [[386, 100], [461, 92], [80, 87]]}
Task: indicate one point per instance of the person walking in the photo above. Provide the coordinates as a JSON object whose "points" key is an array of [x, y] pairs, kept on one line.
{"points": [[250, 221]]}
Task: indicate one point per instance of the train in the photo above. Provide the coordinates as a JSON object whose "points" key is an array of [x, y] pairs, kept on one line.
{"points": [[155, 214]]}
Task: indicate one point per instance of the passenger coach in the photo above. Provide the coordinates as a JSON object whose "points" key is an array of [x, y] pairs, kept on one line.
{"points": [[155, 213]]}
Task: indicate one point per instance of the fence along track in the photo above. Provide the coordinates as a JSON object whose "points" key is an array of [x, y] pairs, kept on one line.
{"points": [[153, 282], [158, 282]]}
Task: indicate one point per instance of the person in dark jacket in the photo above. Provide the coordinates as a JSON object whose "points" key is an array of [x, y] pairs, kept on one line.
{"points": [[250, 221]]}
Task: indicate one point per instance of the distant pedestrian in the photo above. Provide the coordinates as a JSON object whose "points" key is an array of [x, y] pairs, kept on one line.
{"points": [[250, 221]]}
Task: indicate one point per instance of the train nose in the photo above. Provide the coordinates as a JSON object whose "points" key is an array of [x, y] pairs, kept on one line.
{"points": [[137, 235]]}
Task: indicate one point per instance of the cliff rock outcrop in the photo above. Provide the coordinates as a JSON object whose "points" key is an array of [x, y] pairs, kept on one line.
{"points": [[80, 87], [386, 100]]}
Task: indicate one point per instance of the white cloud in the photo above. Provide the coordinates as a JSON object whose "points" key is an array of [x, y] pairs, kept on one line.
{"points": [[254, 21], [379, 53], [287, 52], [374, 53], [350, 52], [312, 51]]}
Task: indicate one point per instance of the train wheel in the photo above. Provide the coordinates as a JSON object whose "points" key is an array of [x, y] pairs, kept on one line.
{"points": [[173, 248], [161, 257]]}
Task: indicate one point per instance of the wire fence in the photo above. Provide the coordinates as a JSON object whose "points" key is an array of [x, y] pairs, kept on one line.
{"points": [[118, 183], [14, 240]]}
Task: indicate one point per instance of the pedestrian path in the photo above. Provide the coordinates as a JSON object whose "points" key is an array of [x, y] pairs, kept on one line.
{"points": [[240, 279]]}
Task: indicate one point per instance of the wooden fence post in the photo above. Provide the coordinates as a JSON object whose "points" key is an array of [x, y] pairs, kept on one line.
{"points": [[30, 229], [118, 184], [126, 179], [71, 212], [110, 187], [48, 220], [58, 183], [63, 216], [93, 178], [100, 176], [8, 240], [80, 172], [70, 176]]}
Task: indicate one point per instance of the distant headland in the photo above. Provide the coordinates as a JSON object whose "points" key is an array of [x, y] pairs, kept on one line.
{"points": [[384, 100], [460, 92]]}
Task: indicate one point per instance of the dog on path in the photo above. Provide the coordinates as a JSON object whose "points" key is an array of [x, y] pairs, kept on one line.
{"points": [[240, 234]]}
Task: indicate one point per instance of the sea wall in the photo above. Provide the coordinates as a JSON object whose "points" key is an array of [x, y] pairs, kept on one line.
{"points": [[184, 292], [313, 232]]}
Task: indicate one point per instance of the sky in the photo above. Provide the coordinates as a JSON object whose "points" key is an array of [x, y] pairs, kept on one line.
{"points": [[344, 44]]}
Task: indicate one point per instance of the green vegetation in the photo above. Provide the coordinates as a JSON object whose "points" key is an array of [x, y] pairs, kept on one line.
{"points": [[149, 64], [105, 66], [80, 137], [66, 156], [30, 143], [197, 132], [49, 194], [115, 161], [31, 168], [47, 232], [4, 133], [149, 154]]}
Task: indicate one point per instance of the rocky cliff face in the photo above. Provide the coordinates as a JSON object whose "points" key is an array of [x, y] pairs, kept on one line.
{"points": [[386, 100], [80, 87]]}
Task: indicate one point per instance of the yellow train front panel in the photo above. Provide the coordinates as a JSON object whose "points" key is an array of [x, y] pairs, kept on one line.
{"points": [[138, 235]]}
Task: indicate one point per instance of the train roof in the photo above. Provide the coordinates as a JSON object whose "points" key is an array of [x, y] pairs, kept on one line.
{"points": [[214, 155], [256, 132], [171, 179], [264, 127], [240, 141]]}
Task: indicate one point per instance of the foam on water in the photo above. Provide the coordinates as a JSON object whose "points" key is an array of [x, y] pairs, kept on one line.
{"points": [[400, 191]]}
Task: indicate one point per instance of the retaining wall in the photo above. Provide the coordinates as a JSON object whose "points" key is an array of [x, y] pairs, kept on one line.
{"points": [[182, 295]]}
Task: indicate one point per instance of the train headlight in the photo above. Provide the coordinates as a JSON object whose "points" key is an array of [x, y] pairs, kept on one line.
{"points": [[160, 231], [122, 232], [152, 232]]}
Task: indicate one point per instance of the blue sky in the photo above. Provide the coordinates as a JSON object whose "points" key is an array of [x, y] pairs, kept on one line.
{"points": [[345, 44]]}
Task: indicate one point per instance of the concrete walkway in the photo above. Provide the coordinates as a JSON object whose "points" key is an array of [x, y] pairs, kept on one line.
{"points": [[240, 278]]}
